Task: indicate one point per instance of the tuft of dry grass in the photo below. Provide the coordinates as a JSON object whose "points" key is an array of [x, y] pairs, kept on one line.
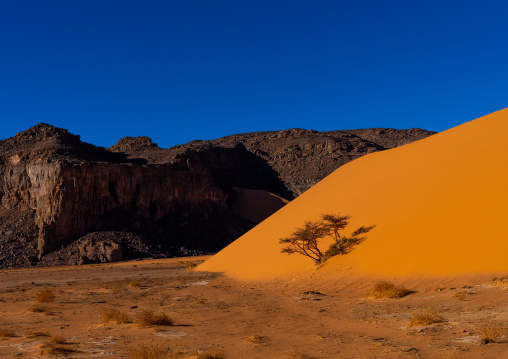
{"points": [[257, 339], [57, 339], [56, 345], [490, 333], [135, 283], [388, 290], [500, 280], [463, 295], [427, 316], [35, 334], [212, 354], [44, 296], [39, 309], [201, 300], [7, 333], [296, 354], [149, 317], [149, 352], [115, 316], [49, 349]]}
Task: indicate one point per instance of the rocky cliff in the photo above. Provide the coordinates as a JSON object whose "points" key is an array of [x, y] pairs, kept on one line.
{"points": [[55, 189]]}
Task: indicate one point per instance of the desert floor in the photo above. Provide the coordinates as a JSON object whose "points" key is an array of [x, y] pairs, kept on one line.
{"points": [[232, 319]]}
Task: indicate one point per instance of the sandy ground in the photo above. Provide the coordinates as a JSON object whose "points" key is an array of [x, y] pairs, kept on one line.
{"points": [[277, 319]]}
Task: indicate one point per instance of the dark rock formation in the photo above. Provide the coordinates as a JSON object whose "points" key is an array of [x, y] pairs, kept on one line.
{"points": [[128, 144], [101, 247], [55, 189]]}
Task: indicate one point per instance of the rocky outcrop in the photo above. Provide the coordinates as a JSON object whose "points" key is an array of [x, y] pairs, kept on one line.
{"points": [[128, 144], [55, 189], [101, 247], [67, 196]]}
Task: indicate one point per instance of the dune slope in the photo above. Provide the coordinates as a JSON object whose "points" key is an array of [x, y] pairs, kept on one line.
{"points": [[439, 204]]}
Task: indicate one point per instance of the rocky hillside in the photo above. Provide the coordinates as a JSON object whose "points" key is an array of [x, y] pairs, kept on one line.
{"points": [[65, 201], [299, 158]]}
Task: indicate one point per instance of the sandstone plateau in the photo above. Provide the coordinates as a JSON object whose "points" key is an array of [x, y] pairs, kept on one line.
{"points": [[63, 201], [439, 206]]}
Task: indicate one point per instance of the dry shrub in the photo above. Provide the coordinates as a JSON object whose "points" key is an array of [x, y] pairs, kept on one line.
{"points": [[500, 280], [212, 354], [427, 316], [57, 339], [50, 349], [149, 352], [34, 334], [115, 316], [149, 317], [56, 345], [44, 296], [191, 265], [7, 333], [296, 354], [39, 309], [463, 295], [385, 290], [201, 300], [490, 333], [257, 339], [135, 283]]}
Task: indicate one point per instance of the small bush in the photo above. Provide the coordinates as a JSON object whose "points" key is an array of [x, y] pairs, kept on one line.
{"points": [[385, 290], [57, 339], [149, 352], [39, 309], [135, 283], [201, 300], [7, 333], [149, 317], [490, 334], [34, 334], [257, 339], [463, 295], [44, 296], [296, 354], [427, 316], [115, 316], [500, 281], [56, 345], [50, 349], [213, 354]]}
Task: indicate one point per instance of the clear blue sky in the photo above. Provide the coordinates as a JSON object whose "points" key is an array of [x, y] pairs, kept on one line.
{"points": [[182, 70]]}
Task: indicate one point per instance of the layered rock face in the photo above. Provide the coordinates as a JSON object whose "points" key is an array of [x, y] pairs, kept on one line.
{"points": [[66, 195], [77, 198], [55, 189]]}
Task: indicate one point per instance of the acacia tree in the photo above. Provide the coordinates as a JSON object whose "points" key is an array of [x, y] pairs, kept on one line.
{"points": [[305, 240]]}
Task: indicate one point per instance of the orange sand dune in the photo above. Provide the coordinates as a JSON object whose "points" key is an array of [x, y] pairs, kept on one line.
{"points": [[440, 206]]}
